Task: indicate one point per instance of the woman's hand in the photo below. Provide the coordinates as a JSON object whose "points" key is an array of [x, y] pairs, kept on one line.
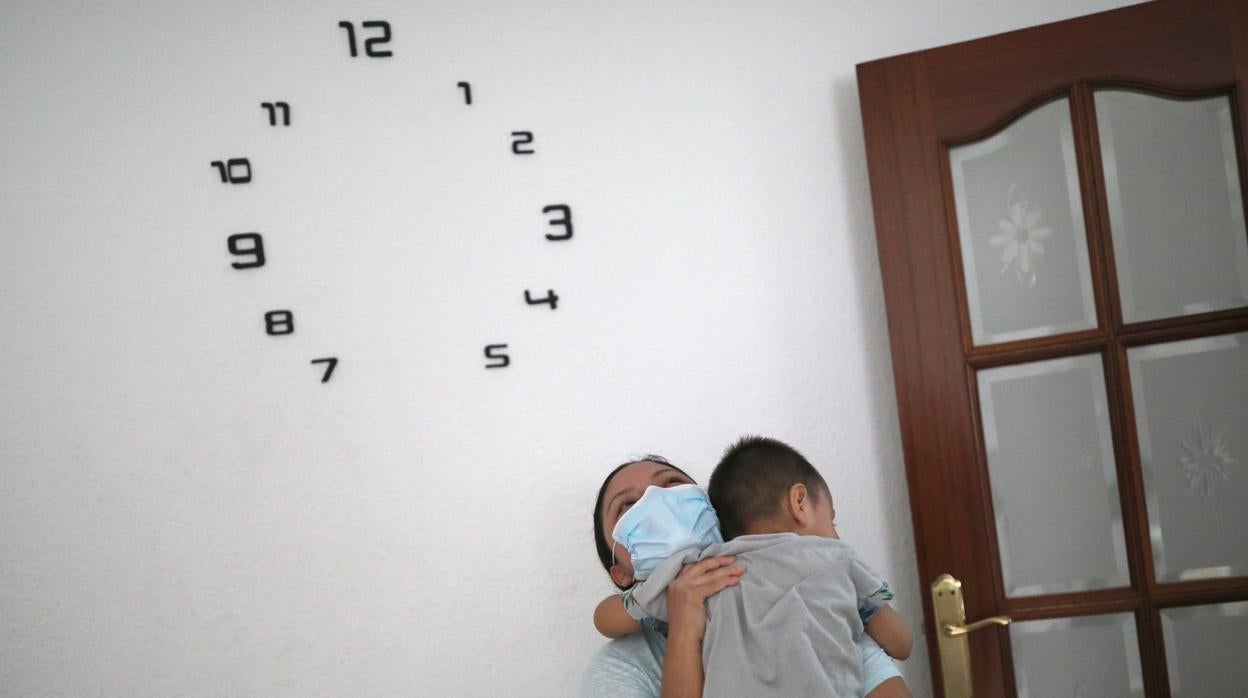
{"points": [[686, 619], [687, 595]]}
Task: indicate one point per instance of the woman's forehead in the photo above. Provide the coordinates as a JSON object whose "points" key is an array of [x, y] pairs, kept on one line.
{"points": [[636, 477], [639, 474]]}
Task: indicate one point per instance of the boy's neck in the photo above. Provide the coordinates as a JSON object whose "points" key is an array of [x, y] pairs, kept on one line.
{"points": [[765, 527]]}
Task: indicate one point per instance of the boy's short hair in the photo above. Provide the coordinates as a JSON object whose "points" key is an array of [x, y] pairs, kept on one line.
{"points": [[753, 479]]}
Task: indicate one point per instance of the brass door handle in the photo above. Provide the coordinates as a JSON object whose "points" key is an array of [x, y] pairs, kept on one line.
{"points": [[951, 630], [951, 640]]}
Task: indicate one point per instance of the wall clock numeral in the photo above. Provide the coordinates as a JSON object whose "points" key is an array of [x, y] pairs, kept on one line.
{"points": [[279, 322], [467, 92], [565, 221], [371, 43], [234, 170], [254, 247], [272, 108], [331, 363], [495, 353], [550, 299], [521, 138]]}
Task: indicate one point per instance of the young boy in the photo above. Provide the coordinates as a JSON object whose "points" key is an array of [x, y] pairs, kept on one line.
{"points": [[792, 625]]}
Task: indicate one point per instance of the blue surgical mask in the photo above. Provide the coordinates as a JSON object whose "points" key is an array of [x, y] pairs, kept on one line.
{"points": [[665, 521]]}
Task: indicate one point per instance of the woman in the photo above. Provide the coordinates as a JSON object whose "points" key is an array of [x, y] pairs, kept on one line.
{"points": [[648, 664]]}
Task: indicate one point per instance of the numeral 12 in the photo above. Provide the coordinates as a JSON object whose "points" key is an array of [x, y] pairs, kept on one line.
{"points": [[370, 42]]}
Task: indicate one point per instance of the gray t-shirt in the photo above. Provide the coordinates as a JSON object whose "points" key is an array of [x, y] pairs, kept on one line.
{"points": [[632, 667], [789, 627]]}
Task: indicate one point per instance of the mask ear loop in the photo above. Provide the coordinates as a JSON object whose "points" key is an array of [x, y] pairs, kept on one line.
{"points": [[613, 544]]}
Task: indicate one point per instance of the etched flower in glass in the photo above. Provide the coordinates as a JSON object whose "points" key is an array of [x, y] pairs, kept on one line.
{"points": [[1020, 237], [1206, 459]]}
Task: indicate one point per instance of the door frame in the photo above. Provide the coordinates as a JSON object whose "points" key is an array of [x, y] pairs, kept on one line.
{"points": [[914, 106]]}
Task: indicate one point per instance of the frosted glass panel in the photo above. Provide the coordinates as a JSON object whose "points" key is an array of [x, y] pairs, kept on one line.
{"points": [[1087, 657], [1205, 649], [1191, 416], [1175, 204], [1020, 228], [1054, 486]]}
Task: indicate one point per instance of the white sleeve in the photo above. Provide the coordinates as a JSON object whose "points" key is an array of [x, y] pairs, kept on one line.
{"points": [[877, 666], [623, 668]]}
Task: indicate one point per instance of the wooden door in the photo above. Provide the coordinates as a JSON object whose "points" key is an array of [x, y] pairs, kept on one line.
{"points": [[1060, 220]]}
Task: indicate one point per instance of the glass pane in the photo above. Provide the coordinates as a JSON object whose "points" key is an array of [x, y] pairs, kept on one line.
{"points": [[1191, 416], [1020, 227], [1175, 205], [1085, 657], [1054, 486], [1205, 649]]}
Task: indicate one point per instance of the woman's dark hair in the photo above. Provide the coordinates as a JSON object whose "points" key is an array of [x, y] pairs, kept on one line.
{"points": [[604, 546]]}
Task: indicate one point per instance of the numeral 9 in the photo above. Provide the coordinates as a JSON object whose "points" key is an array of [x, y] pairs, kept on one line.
{"points": [[254, 246]]}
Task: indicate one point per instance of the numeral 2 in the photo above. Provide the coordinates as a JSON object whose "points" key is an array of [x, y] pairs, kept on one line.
{"points": [[521, 138]]}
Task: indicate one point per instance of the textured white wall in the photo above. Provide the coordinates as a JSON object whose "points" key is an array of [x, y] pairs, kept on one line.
{"points": [[187, 511]]}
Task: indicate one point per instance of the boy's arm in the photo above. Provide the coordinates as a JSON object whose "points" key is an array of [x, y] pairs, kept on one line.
{"points": [[888, 629], [612, 620]]}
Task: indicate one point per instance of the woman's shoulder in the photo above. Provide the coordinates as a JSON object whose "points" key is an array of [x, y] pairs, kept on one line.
{"points": [[630, 666]]}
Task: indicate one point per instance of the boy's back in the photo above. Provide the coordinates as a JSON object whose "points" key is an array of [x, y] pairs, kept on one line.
{"points": [[789, 627]]}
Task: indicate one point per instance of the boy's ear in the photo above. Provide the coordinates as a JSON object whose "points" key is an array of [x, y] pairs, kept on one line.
{"points": [[800, 505]]}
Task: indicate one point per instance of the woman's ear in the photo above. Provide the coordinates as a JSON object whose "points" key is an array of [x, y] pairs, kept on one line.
{"points": [[621, 576]]}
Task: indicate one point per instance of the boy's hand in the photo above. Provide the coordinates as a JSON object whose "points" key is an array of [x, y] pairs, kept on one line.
{"points": [[688, 592]]}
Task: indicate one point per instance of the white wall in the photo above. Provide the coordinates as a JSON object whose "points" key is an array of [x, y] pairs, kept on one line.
{"points": [[187, 511]]}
